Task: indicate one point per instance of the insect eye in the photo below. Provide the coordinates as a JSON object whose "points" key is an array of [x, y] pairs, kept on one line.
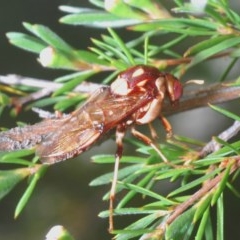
{"points": [[174, 87], [177, 89]]}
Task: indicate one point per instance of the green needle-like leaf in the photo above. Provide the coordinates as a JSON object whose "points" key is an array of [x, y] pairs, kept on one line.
{"points": [[70, 85], [194, 183], [203, 226], [221, 186], [9, 179], [49, 37], [122, 46], [202, 207], [147, 192], [26, 42], [182, 227], [16, 154], [98, 19], [132, 193], [217, 48], [24, 199], [220, 218], [225, 112], [136, 229], [202, 46], [107, 178]]}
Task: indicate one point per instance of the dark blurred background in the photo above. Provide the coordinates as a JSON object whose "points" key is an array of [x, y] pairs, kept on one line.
{"points": [[63, 195]]}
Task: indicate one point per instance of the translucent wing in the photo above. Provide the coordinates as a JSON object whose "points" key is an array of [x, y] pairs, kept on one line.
{"points": [[102, 112], [27, 136]]}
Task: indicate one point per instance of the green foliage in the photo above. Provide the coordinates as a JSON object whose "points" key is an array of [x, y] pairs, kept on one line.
{"points": [[185, 212], [9, 178]]}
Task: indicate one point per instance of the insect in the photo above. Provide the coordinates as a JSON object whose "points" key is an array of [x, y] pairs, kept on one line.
{"points": [[134, 98]]}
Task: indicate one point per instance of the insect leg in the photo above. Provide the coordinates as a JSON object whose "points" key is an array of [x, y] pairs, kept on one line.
{"points": [[152, 131], [166, 124], [120, 132], [148, 141]]}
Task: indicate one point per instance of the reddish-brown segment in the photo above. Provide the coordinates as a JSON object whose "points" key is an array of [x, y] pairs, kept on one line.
{"points": [[134, 98]]}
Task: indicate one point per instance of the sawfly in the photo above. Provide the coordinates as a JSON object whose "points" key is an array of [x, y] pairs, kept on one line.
{"points": [[134, 98]]}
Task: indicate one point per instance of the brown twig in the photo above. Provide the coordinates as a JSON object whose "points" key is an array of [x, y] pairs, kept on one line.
{"points": [[46, 88], [226, 135], [214, 94], [185, 60], [13, 79], [207, 188]]}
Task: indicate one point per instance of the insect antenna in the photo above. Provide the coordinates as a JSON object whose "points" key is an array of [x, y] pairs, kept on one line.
{"points": [[194, 81]]}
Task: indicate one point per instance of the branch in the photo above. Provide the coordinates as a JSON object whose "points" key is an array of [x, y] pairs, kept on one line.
{"points": [[46, 87], [184, 60], [214, 93], [207, 188], [226, 135], [13, 79]]}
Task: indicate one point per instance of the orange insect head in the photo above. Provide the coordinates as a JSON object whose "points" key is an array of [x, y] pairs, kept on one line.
{"points": [[174, 87]]}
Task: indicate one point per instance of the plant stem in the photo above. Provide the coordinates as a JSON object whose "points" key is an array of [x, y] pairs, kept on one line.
{"points": [[214, 94], [207, 188], [210, 94]]}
